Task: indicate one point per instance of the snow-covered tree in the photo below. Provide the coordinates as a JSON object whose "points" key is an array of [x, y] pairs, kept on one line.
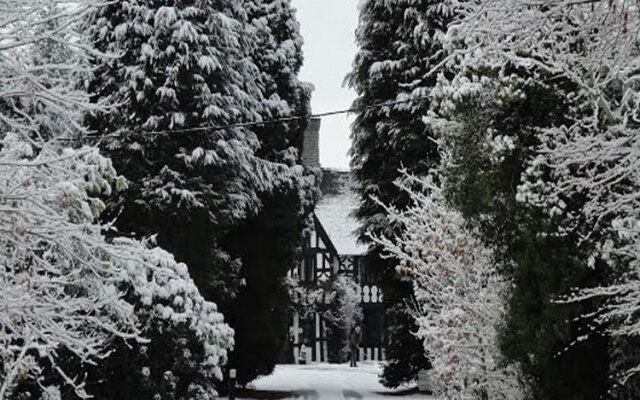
{"points": [[277, 53], [343, 313], [348, 299], [596, 158], [180, 65], [275, 232], [397, 47], [460, 296], [593, 49], [580, 166], [66, 292], [64, 288], [208, 193]]}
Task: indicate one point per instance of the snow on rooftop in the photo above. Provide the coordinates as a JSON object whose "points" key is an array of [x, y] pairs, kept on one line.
{"points": [[335, 212]]}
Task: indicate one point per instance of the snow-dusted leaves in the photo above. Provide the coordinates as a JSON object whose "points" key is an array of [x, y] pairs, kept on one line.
{"points": [[585, 172], [65, 290], [460, 295], [63, 285]]}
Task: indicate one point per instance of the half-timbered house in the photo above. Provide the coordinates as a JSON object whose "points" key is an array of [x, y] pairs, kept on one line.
{"points": [[331, 247]]}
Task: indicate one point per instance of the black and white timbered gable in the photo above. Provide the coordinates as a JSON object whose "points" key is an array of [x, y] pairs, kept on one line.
{"points": [[332, 248]]}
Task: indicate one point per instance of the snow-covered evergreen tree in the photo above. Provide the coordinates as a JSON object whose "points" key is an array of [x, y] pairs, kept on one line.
{"points": [[262, 326], [548, 106], [278, 56], [460, 296], [66, 292], [593, 160], [181, 65], [397, 47], [227, 200]]}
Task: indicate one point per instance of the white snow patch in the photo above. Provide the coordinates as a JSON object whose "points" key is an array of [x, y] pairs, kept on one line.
{"points": [[330, 381]]}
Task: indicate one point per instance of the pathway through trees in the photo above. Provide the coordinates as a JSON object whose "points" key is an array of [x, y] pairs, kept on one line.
{"points": [[329, 382]]}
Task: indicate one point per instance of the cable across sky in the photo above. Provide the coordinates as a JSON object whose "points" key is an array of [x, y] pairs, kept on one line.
{"points": [[93, 136]]}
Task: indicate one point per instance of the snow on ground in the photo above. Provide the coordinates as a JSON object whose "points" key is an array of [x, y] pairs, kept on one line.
{"points": [[329, 382]]}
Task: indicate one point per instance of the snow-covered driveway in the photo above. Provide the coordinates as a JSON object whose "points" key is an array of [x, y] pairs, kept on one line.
{"points": [[329, 382]]}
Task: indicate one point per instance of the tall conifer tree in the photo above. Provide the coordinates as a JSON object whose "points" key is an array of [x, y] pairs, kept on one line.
{"points": [[229, 201], [181, 65], [397, 50], [269, 244]]}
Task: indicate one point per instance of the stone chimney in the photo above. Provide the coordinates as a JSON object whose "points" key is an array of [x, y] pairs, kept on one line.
{"points": [[311, 144]]}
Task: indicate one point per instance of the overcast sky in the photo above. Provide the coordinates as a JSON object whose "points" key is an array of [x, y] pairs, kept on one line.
{"points": [[328, 28]]}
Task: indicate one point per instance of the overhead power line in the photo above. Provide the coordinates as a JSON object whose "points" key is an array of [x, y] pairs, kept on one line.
{"points": [[94, 136]]}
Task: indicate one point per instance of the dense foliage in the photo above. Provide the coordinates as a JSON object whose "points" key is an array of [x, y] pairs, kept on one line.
{"points": [[228, 200], [490, 141], [537, 123], [396, 49], [574, 184], [68, 294], [262, 326], [460, 295]]}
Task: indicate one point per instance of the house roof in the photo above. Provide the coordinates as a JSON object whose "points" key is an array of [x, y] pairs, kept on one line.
{"points": [[335, 211]]}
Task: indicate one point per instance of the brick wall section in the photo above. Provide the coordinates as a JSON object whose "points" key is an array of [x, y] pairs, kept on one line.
{"points": [[311, 144]]}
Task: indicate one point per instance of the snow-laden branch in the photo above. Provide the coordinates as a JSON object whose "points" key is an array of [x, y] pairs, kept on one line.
{"points": [[65, 288], [586, 170], [460, 295]]}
